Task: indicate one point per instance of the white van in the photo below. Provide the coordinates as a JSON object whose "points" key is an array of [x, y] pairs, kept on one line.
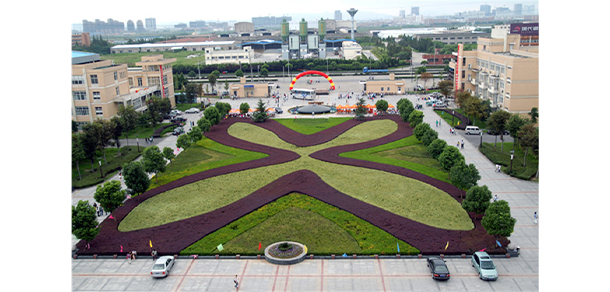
{"points": [[473, 130]]}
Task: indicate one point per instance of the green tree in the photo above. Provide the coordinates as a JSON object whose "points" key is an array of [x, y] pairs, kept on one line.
{"points": [[211, 114], [420, 130], [360, 109], [381, 105], [84, 221], [153, 160], [477, 199], [183, 142], [215, 73], [109, 195], [260, 115], [449, 157], [192, 91], [77, 152], [461, 98], [244, 107], [264, 72], [168, 152], [528, 138], [227, 85], [212, 79], [116, 130], [425, 77], [499, 122], [415, 118], [405, 107], [223, 109], [204, 125], [534, 115], [136, 179], [195, 134], [464, 176], [498, 221], [157, 108], [436, 147], [428, 137], [239, 73], [88, 141], [515, 123], [129, 119], [446, 87], [74, 126]]}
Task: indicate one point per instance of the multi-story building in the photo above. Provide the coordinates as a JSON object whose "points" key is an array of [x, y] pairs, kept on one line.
{"points": [[451, 37], [140, 26], [486, 8], [151, 23], [244, 27], [243, 56], [161, 47], [100, 27], [198, 23], [338, 15], [500, 71], [83, 39], [100, 86], [414, 10], [130, 26], [269, 21]]}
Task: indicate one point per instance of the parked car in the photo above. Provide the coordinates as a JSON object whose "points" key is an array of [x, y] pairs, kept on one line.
{"points": [[192, 110], [439, 104], [162, 266], [178, 130], [279, 110], [482, 262], [176, 112], [495, 133], [430, 102], [438, 268], [178, 120]]}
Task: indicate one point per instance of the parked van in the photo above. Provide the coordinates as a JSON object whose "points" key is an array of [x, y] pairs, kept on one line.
{"points": [[473, 130]]}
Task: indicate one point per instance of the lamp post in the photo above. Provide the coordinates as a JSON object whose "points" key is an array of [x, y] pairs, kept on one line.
{"points": [[198, 72], [101, 172], [138, 142], [512, 155]]}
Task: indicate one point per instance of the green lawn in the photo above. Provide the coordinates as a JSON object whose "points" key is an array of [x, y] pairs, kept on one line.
{"points": [[131, 58], [454, 121], [324, 229], [92, 177], [142, 133], [311, 126], [502, 157]]}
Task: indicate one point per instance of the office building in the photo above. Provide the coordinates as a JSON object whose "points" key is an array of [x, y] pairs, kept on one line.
{"points": [[139, 26], [414, 10], [100, 86], [243, 56], [338, 15], [517, 10], [101, 27], [130, 26], [486, 9], [151, 23], [269, 21], [198, 23]]}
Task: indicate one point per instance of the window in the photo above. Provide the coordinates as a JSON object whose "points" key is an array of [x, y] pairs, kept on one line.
{"points": [[116, 76], [94, 79], [118, 91], [382, 88], [82, 110], [77, 80], [165, 79], [139, 81], [79, 95], [96, 95], [98, 110]]}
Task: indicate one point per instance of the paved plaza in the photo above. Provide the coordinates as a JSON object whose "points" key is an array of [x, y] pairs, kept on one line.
{"points": [[405, 274]]}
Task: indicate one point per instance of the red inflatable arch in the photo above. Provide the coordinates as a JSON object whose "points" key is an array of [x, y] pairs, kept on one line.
{"points": [[332, 84]]}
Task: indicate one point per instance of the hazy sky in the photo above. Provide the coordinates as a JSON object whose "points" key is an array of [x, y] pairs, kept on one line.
{"points": [[184, 11]]}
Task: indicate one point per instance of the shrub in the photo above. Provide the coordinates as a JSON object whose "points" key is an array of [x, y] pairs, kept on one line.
{"points": [[436, 147]]}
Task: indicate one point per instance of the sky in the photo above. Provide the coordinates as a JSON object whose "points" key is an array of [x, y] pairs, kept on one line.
{"points": [[240, 10]]}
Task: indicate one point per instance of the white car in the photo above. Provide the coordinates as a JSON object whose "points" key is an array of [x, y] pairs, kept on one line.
{"points": [[162, 266], [175, 112], [192, 111]]}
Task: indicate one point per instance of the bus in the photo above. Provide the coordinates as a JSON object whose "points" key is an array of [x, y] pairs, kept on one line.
{"points": [[307, 94]]}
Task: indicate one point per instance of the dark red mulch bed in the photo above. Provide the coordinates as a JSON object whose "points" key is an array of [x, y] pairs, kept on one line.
{"points": [[173, 237]]}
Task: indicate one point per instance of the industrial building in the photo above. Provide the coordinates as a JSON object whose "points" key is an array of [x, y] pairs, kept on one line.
{"points": [[243, 56], [100, 86], [454, 36], [162, 47]]}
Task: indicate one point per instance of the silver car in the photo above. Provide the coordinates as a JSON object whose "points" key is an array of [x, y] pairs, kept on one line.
{"points": [[162, 267]]}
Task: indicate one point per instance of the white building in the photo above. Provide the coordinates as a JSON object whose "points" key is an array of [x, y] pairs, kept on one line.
{"points": [[351, 50], [243, 56]]}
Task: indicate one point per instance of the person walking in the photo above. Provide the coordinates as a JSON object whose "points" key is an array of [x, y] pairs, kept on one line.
{"points": [[495, 198], [154, 254], [437, 123], [535, 217], [235, 281], [462, 144], [129, 257]]}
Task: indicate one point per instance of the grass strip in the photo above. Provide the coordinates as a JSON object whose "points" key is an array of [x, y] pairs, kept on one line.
{"points": [[309, 126]]}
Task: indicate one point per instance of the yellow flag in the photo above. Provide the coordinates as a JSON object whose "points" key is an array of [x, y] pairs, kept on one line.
{"points": [[150, 242], [447, 245]]}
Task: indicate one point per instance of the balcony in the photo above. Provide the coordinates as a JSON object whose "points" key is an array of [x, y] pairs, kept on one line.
{"points": [[492, 90], [136, 93], [482, 86], [473, 81]]}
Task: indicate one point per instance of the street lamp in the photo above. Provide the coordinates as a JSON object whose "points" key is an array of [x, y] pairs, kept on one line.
{"points": [[512, 155], [198, 72], [138, 142], [101, 172]]}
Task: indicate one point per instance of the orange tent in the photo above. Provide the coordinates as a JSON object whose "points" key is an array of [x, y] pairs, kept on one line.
{"points": [[390, 105], [370, 106]]}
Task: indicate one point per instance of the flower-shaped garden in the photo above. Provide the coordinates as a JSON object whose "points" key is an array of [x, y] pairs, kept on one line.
{"points": [[306, 188]]}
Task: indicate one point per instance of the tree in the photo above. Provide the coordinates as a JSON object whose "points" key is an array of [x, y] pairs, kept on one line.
{"points": [[477, 199], [446, 87], [425, 77], [244, 107], [223, 109], [191, 91], [84, 221], [239, 73], [405, 107], [528, 137], [381, 105], [212, 115], [212, 79], [77, 152], [360, 109], [183, 141], [498, 121], [227, 85], [464, 176], [116, 130], [153, 160], [195, 134], [157, 108], [515, 123], [168, 152], [215, 73], [415, 118], [473, 107], [88, 141], [420, 130], [74, 126], [103, 132], [129, 119], [461, 98], [449, 157], [428, 137], [109, 195], [264, 72], [498, 221], [135, 177], [436, 147], [534, 115], [204, 125], [260, 115]]}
